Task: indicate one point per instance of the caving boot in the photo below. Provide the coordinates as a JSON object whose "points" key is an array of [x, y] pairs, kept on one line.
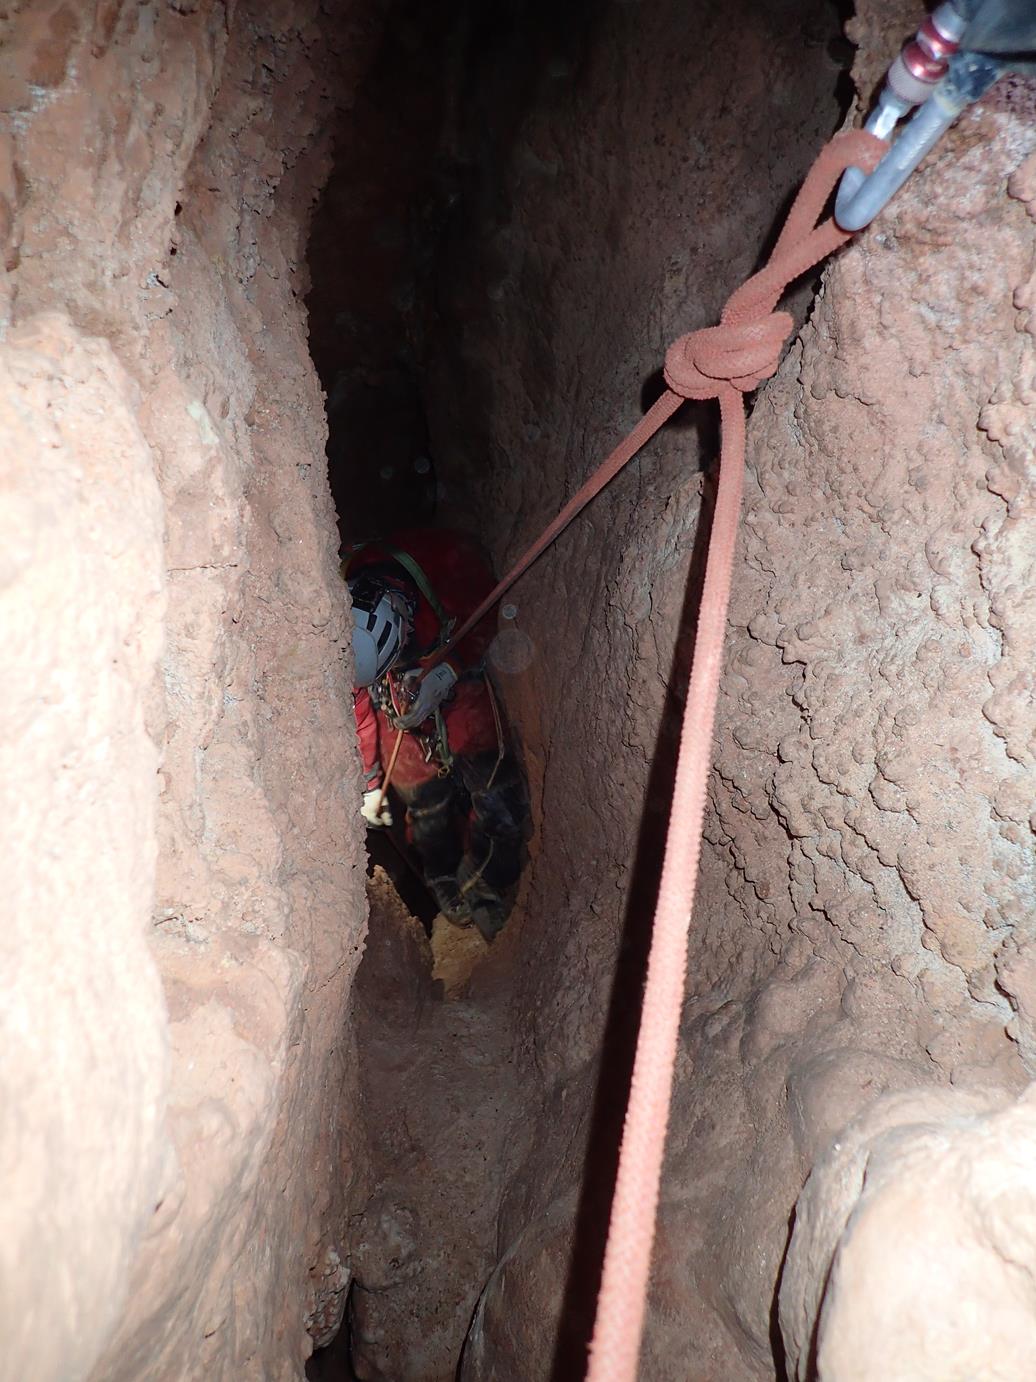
{"points": [[452, 904], [487, 909]]}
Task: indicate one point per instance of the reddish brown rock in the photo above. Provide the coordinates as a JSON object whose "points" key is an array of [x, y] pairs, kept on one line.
{"points": [[913, 1253], [188, 909], [869, 852], [215, 1137]]}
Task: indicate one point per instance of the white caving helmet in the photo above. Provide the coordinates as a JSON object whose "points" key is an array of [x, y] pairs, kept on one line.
{"points": [[381, 625]]}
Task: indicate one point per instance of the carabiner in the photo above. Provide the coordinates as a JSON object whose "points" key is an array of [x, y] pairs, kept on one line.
{"points": [[932, 74]]}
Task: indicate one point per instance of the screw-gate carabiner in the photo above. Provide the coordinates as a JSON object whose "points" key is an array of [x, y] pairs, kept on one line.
{"points": [[931, 73]]}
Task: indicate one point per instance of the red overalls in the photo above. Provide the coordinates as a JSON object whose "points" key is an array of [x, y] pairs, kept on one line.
{"points": [[460, 578]]}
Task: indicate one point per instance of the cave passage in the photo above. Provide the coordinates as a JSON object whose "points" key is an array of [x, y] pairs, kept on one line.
{"points": [[453, 243], [258, 1117], [419, 160], [414, 161], [403, 256]]}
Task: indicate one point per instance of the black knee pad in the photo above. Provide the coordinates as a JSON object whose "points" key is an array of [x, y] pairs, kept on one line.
{"points": [[495, 811], [433, 811]]}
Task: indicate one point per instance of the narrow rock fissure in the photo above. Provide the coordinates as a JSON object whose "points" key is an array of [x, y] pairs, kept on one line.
{"points": [[266, 1109], [418, 248]]}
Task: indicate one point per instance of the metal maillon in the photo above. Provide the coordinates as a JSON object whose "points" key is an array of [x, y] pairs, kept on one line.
{"points": [[960, 50]]}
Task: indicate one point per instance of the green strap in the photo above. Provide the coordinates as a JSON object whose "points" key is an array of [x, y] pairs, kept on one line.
{"points": [[413, 570]]}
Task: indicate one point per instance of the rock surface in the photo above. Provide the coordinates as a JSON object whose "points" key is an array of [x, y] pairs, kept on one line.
{"points": [[438, 1105], [215, 1137], [863, 923], [913, 1254], [177, 752]]}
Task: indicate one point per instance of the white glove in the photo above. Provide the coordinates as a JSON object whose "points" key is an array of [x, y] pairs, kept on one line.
{"points": [[431, 693], [369, 810]]}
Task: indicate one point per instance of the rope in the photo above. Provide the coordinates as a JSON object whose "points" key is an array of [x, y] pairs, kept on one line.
{"points": [[645, 429], [498, 722], [721, 362], [469, 883], [387, 780], [747, 344]]}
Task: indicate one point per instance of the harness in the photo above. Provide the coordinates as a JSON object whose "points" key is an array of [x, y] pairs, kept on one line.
{"points": [[435, 745]]}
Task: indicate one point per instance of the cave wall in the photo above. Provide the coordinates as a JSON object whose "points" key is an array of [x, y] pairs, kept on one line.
{"points": [[179, 777], [631, 195], [882, 639], [637, 189], [178, 763], [859, 986]]}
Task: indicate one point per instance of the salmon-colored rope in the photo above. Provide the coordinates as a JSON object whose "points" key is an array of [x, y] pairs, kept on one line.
{"points": [[645, 429], [719, 362], [722, 362], [756, 345]]}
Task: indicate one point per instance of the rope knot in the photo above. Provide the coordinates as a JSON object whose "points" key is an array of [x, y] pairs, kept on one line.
{"points": [[741, 354]]}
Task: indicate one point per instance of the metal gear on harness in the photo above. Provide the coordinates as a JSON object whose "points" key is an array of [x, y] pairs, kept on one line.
{"points": [[379, 638], [389, 695], [435, 745], [960, 50]]}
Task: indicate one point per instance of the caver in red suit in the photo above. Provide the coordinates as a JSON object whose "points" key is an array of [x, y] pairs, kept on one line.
{"points": [[463, 792]]}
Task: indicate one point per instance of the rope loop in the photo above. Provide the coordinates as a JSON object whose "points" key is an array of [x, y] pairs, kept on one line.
{"points": [[740, 354], [745, 348]]}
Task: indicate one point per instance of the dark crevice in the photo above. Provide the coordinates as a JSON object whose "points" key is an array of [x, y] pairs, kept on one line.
{"points": [[412, 239], [623, 1006]]}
